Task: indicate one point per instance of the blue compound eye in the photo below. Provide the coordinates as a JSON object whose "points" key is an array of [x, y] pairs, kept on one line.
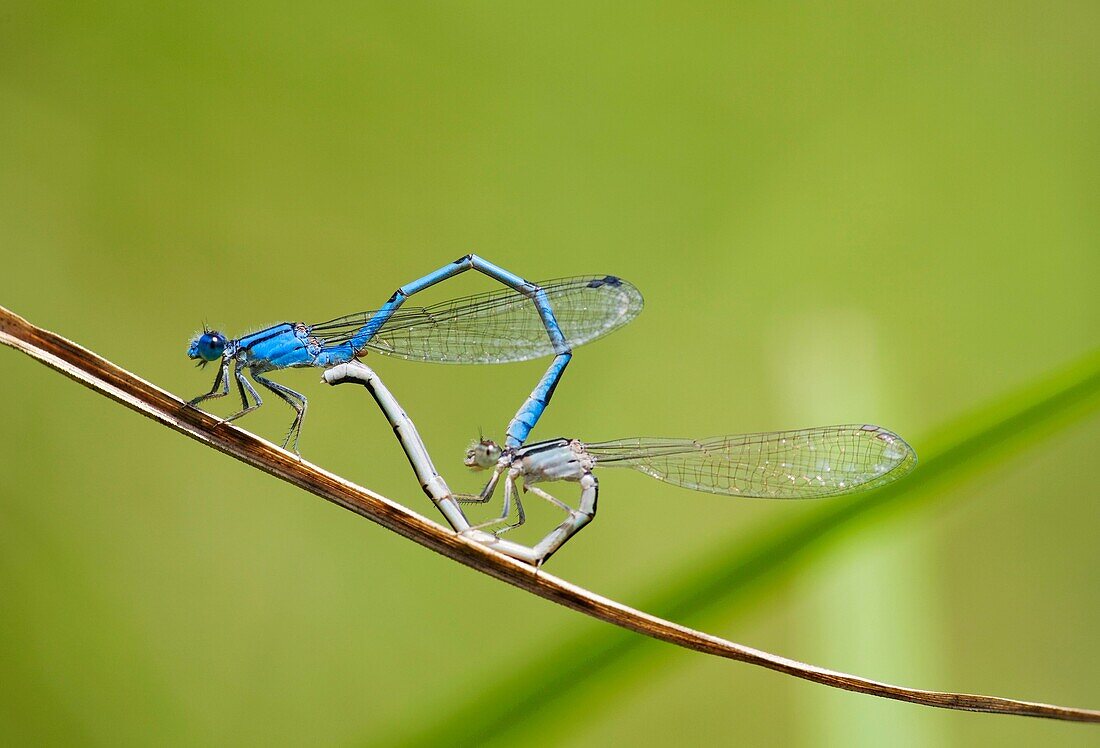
{"points": [[209, 346]]}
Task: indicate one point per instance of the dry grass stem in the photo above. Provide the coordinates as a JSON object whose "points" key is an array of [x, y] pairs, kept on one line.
{"points": [[135, 393]]}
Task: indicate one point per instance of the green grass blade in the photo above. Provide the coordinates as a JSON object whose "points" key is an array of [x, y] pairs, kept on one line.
{"points": [[731, 575]]}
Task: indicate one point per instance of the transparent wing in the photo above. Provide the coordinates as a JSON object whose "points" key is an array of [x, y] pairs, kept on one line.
{"points": [[498, 326], [801, 464]]}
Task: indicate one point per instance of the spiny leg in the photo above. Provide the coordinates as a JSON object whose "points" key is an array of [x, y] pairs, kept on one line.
{"points": [[241, 382], [295, 400], [578, 518], [487, 492], [221, 380], [521, 516], [544, 495], [504, 463], [509, 493], [243, 386], [504, 513]]}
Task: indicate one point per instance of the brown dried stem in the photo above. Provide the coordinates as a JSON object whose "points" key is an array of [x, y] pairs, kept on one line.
{"points": [[135, 393]]}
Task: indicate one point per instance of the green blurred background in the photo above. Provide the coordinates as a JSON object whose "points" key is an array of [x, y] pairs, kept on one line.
{"points": [[836, 212]]}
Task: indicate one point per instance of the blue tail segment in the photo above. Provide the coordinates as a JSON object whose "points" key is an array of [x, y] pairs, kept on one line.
{"points": [[459, 266], [532, 409]]}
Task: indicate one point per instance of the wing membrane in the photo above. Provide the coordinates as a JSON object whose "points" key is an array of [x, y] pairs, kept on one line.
{"points": [[801, 464], [498, 326]]}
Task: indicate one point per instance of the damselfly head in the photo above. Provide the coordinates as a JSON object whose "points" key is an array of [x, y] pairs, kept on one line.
{"points": [[482, 454], [206, 346]]}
